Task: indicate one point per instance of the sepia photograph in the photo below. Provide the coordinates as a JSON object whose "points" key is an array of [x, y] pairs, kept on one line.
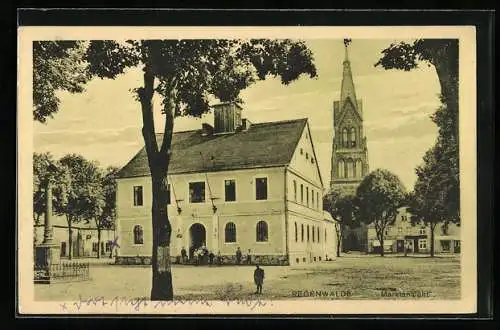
{"points": [[271, 170]]}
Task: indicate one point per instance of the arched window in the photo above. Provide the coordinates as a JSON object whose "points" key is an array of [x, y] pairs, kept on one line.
{"points": [[262, 234], [317, 230], [308, 233], [345, 139], [296, 233], [230, 233], [313, 233], [340, 170], [359, 168], [138, 235], [302, 232], [350, 168], [353, 137]]}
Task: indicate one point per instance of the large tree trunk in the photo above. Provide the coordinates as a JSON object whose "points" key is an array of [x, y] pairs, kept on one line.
{"points": [[162, 288], [158, 160]]}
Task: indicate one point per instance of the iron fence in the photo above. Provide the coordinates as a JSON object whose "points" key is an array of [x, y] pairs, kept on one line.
{"points": [[63, 272]]}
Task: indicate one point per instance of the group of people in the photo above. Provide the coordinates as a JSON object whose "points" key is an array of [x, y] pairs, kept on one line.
{"points": [[202, 255], [239, 257]]}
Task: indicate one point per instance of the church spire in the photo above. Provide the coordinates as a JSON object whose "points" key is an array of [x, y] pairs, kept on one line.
{"points": [[347, 89]]}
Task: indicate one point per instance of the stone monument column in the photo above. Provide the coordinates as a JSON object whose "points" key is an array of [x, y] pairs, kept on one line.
{"points": [[48, 252]]}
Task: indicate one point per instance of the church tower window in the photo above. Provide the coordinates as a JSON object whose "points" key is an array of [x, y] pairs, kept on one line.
{"points": [[353, 137], [344, 137], [340, 171], [350, 168], [359, 168]]}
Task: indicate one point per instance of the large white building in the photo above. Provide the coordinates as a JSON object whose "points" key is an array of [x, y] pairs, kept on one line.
{"points": [[234, 184]]}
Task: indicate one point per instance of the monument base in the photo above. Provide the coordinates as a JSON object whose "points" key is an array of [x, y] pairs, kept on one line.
{"points": [[47, 254]]}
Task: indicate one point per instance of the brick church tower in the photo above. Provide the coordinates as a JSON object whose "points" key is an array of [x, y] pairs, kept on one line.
{"points": [[349, 150]]}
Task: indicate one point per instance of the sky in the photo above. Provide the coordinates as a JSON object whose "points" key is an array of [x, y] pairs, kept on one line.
{"points": [[104, 122]]}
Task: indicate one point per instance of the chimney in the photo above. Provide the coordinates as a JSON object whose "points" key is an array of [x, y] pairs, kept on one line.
{"points": [[206, 129], [227, 118]]}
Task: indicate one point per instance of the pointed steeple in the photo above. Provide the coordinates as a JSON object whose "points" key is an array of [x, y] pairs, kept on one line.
{"points": [[347, 89]]}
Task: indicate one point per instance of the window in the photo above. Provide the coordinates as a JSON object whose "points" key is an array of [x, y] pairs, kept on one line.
{"points": [[325, 235], [386, 232], [312, 197], [138, 235], [262, 233], [314, 258], [230, 190], [313, 234], [359, 169], [444, 230], [261, 188], [107, 246], [353, 137], [422, 231], [294, 190], [422, 244], [307, 155], [317, 231], [95, 247], [308, 233], [197, 192], [138, 198], [296, 233], [350, 168], [344, 137], [307, 196], [301, 151], [168, 194], [317, 200], [230, 233], [301, 193], [341, 169], [302, 231], [312, 160]]}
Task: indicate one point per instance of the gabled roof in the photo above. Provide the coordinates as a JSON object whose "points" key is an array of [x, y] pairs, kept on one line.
{"points": [[262, 145]]}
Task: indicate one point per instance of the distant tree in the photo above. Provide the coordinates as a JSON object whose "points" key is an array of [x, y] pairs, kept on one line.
{"points": [[341, 207], [106, 219], [378, 197], [443, 55], [57, 66], [429, 202], [185, 73], [85, 195], [41, 163], [59, 178]]}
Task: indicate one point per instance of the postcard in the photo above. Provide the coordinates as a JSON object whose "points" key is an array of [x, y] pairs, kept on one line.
{"points": [[247, 170]]}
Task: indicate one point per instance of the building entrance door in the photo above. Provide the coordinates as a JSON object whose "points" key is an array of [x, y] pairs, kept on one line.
{"points": [[400, 245], [198, 236]]}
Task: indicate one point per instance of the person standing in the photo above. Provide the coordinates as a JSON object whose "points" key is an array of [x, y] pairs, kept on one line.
{"points": [[238, 255], [249, 257], [258, 277], [183, 255]]}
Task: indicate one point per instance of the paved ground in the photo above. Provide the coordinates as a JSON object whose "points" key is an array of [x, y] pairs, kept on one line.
{"points": [[349, 277]]}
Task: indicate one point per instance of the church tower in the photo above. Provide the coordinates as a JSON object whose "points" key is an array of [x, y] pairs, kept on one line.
{"points": [[349, 150]]}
